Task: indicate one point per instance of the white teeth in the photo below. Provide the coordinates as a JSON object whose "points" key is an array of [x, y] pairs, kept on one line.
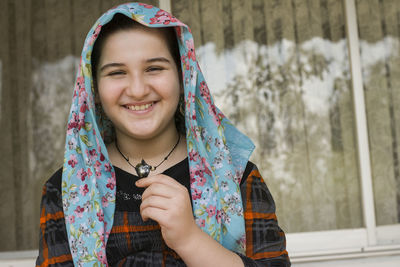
{"points": [[141, 107]]}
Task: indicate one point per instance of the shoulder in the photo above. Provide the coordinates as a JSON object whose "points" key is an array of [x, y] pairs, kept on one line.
{"points": [[55, 180], [249, 168], [51, 192], [254, 189]]}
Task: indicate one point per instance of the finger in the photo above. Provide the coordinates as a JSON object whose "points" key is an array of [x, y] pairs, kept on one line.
{"points": [[155, 202], [161, 190], [155, 214]]}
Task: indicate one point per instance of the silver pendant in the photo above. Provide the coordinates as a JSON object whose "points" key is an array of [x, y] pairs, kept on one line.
{"points": [[143, 169]]}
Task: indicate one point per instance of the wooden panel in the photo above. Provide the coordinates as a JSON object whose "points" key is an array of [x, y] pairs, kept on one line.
{"points": [[259, 27], [390, 12], [212, 23], [284, 167], [347, 189], [189, 13], [242, 21], [41, 43], [279, 21], [7, 199], [377, 102]]}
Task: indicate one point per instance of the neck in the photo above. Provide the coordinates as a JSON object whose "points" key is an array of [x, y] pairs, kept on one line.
{"points": [[152, 150]]}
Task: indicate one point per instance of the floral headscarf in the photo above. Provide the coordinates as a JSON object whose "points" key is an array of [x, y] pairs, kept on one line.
{"points": [[217, 152]]}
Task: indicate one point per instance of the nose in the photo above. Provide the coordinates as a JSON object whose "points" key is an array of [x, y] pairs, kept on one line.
{"points": [[137, 87]]}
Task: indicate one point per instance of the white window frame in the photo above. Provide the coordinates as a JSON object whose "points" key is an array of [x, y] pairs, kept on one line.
{"points": [[372, 240]]}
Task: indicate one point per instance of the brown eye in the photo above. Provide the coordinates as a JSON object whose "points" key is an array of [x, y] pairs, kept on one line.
{"points": [[154, 68], [115, 73]]}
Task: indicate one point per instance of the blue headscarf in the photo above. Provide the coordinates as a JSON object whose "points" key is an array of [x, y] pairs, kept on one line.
{"points": [[217, 152]]}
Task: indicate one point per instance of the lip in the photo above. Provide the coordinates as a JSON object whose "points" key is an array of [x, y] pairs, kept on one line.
{"points": [[140, 107]]}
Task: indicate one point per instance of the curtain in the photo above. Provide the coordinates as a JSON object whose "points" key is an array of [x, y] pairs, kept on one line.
{"points": [[280, 71], [379, 33]]}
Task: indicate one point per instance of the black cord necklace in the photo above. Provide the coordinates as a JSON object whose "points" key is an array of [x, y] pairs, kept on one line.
{"points": [[143, 169]]}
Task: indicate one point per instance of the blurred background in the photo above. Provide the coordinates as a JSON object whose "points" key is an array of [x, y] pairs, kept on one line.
{"points": [[314, 83]]}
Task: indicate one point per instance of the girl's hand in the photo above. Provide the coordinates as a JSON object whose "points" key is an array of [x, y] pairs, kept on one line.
{"points": [[167, 202]]}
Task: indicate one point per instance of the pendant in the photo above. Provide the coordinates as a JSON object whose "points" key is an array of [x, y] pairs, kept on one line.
{"points": [[143, 169]]}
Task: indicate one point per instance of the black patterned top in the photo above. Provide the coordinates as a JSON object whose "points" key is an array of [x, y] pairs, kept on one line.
{"points": [[133, 242]]}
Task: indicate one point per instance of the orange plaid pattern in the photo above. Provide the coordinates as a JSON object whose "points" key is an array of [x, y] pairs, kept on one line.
{"points": [[133, 242]]}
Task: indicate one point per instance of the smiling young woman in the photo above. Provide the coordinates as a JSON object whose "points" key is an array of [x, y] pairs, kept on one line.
{"points": [[154, 174], [139, 89]]}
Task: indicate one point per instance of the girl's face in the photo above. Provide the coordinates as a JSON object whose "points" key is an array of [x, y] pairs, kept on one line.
{"points": [[138, 83]]}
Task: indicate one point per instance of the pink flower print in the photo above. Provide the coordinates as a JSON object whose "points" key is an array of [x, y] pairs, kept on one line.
{"points": [[79, 211], [89, 172], [92, 154], [84, 189], [192, 175], [190, 46], [206, 166], [97, 166], [194, 132], [80, 83], [81, 120], [83, 103], [95, 34], [185, 62], [201, 180], [201, 222], [102, 158], [190, 99], [238, 176], [193, 155], [205, 92], [82, 174], [196, 194], [104, 201], [74, 121], [212, 110], [101, 256], [178, 31], [101, 234], [198, 172], [107, 167], [71, 219], [98, 174], [111, 183], [100, 215], [211, 210], [219, 216], [72, 160], [146, 5], [162, 17]]}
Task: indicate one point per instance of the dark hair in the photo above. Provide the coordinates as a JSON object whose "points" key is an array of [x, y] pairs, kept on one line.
{"points": [[121, 22]]}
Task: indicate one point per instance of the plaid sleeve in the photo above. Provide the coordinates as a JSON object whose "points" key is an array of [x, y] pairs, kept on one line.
{"points": [[265, 240], [53, 241]]}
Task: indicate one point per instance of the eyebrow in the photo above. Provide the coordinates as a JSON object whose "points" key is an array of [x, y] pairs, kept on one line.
{"points": [[150, 60], [110, 65]]}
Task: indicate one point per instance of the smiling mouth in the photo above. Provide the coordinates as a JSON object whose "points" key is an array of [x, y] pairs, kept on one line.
{"points": [[139, 107]]}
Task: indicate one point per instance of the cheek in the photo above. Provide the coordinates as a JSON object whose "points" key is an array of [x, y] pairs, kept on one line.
{"points": [[108, 91]]}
